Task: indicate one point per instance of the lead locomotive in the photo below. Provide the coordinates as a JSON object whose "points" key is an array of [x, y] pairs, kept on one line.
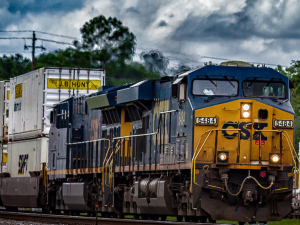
{"points": [[212, 143]]}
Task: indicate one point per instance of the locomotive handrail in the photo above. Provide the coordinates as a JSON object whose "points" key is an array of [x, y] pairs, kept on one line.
{"points": [[285, 134], [295, 169], [134, 135], [193, 164], [82, 142], [108, 160]]}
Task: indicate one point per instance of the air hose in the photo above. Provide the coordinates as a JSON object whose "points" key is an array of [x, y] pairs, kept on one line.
{"points": [[249, 177]]}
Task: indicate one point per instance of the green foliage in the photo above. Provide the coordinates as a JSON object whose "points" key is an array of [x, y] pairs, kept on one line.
{"points": [[293, 72], [11, 66], [119, 73], [108, 39], [66, 58]]}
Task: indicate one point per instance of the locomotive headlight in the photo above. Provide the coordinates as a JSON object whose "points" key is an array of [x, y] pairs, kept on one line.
{"points": [[246, 107], [245, 110], [222, 156], [246, 114], [275, 158]]}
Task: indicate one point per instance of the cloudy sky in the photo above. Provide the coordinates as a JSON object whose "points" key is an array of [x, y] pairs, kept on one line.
{"points": [[186, 31]]}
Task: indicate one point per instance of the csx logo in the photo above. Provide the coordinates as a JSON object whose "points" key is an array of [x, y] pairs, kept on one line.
{"points": [[245, 133], [22, 164]]}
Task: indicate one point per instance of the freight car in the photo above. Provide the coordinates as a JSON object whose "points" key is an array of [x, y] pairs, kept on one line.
{"points": [[212, 143], [26, 102]]}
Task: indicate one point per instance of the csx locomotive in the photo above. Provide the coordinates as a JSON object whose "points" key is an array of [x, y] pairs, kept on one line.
{"points": [[212, 143]]}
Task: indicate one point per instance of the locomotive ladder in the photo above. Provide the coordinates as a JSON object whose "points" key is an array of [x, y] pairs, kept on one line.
{"points": [[109, 161], [293, 152]]}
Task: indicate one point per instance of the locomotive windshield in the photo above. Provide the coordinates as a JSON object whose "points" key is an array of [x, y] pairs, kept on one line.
{"points": [[264, 89], [215, 87]]}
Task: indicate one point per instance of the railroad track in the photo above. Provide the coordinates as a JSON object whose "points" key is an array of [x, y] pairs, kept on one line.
{"points": [[80, 220]]}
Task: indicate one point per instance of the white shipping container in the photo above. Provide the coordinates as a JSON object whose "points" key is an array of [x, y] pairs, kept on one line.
{"points": [[4, 107], [27, 156], [4, 155], [33, 95]]}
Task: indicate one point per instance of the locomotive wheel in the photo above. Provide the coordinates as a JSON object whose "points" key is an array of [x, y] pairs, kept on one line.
{"points": [[210, 220], [179, 218], [144, 217], [194, 219], [241, 223], [45, 211], [13, 209], [153, 217], [187, 219], [136, 216], [203, 219], [57, 212], [121, 216], [107, 215], [163, 218]]}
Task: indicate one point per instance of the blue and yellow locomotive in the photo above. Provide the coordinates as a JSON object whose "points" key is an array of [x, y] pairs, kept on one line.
{"points": [[212, 143]]}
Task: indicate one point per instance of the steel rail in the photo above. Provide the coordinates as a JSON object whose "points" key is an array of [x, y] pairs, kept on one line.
{"points": [[66, 219]]}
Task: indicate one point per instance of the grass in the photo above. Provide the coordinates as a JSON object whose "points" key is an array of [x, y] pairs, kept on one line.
{"points": [[283, 222]]}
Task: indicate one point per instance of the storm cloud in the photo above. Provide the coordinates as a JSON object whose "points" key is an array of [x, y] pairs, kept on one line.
{"points": [[186, 31]]}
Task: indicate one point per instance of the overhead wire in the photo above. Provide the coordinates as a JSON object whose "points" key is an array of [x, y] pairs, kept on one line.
{"points": [[41, 32], [66, 43]]}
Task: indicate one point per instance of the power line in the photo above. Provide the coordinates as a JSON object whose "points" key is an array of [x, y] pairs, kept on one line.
{"points": [[57, 35], [16, 38], [41, 32], [42, 39], [57, 42]]}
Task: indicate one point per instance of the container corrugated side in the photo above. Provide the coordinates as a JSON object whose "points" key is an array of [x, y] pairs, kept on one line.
{"points": [[61, 84], [4, 97], [27, 156], [25, 103], [33, 95]]}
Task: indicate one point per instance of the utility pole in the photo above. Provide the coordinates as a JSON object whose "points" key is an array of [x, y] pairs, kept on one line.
{"points": [[33, 50]]}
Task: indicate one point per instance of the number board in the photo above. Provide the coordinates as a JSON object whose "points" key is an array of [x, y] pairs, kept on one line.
{"points": [[284, 123], [206, 120]]}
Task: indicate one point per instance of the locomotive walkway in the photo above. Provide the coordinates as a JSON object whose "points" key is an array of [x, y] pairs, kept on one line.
{"points": [[80, 220]]}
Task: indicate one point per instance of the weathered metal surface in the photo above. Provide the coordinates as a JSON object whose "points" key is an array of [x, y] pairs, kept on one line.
{"points": [[140, 91], [27, 156], [75, 196], [161, 204], [57, 152], [20, 192]]}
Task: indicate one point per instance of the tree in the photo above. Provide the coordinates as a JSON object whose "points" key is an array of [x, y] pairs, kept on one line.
{"points": [[108, 39], [293, 72], [11, 66], [155, 62], [67, 58]]}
